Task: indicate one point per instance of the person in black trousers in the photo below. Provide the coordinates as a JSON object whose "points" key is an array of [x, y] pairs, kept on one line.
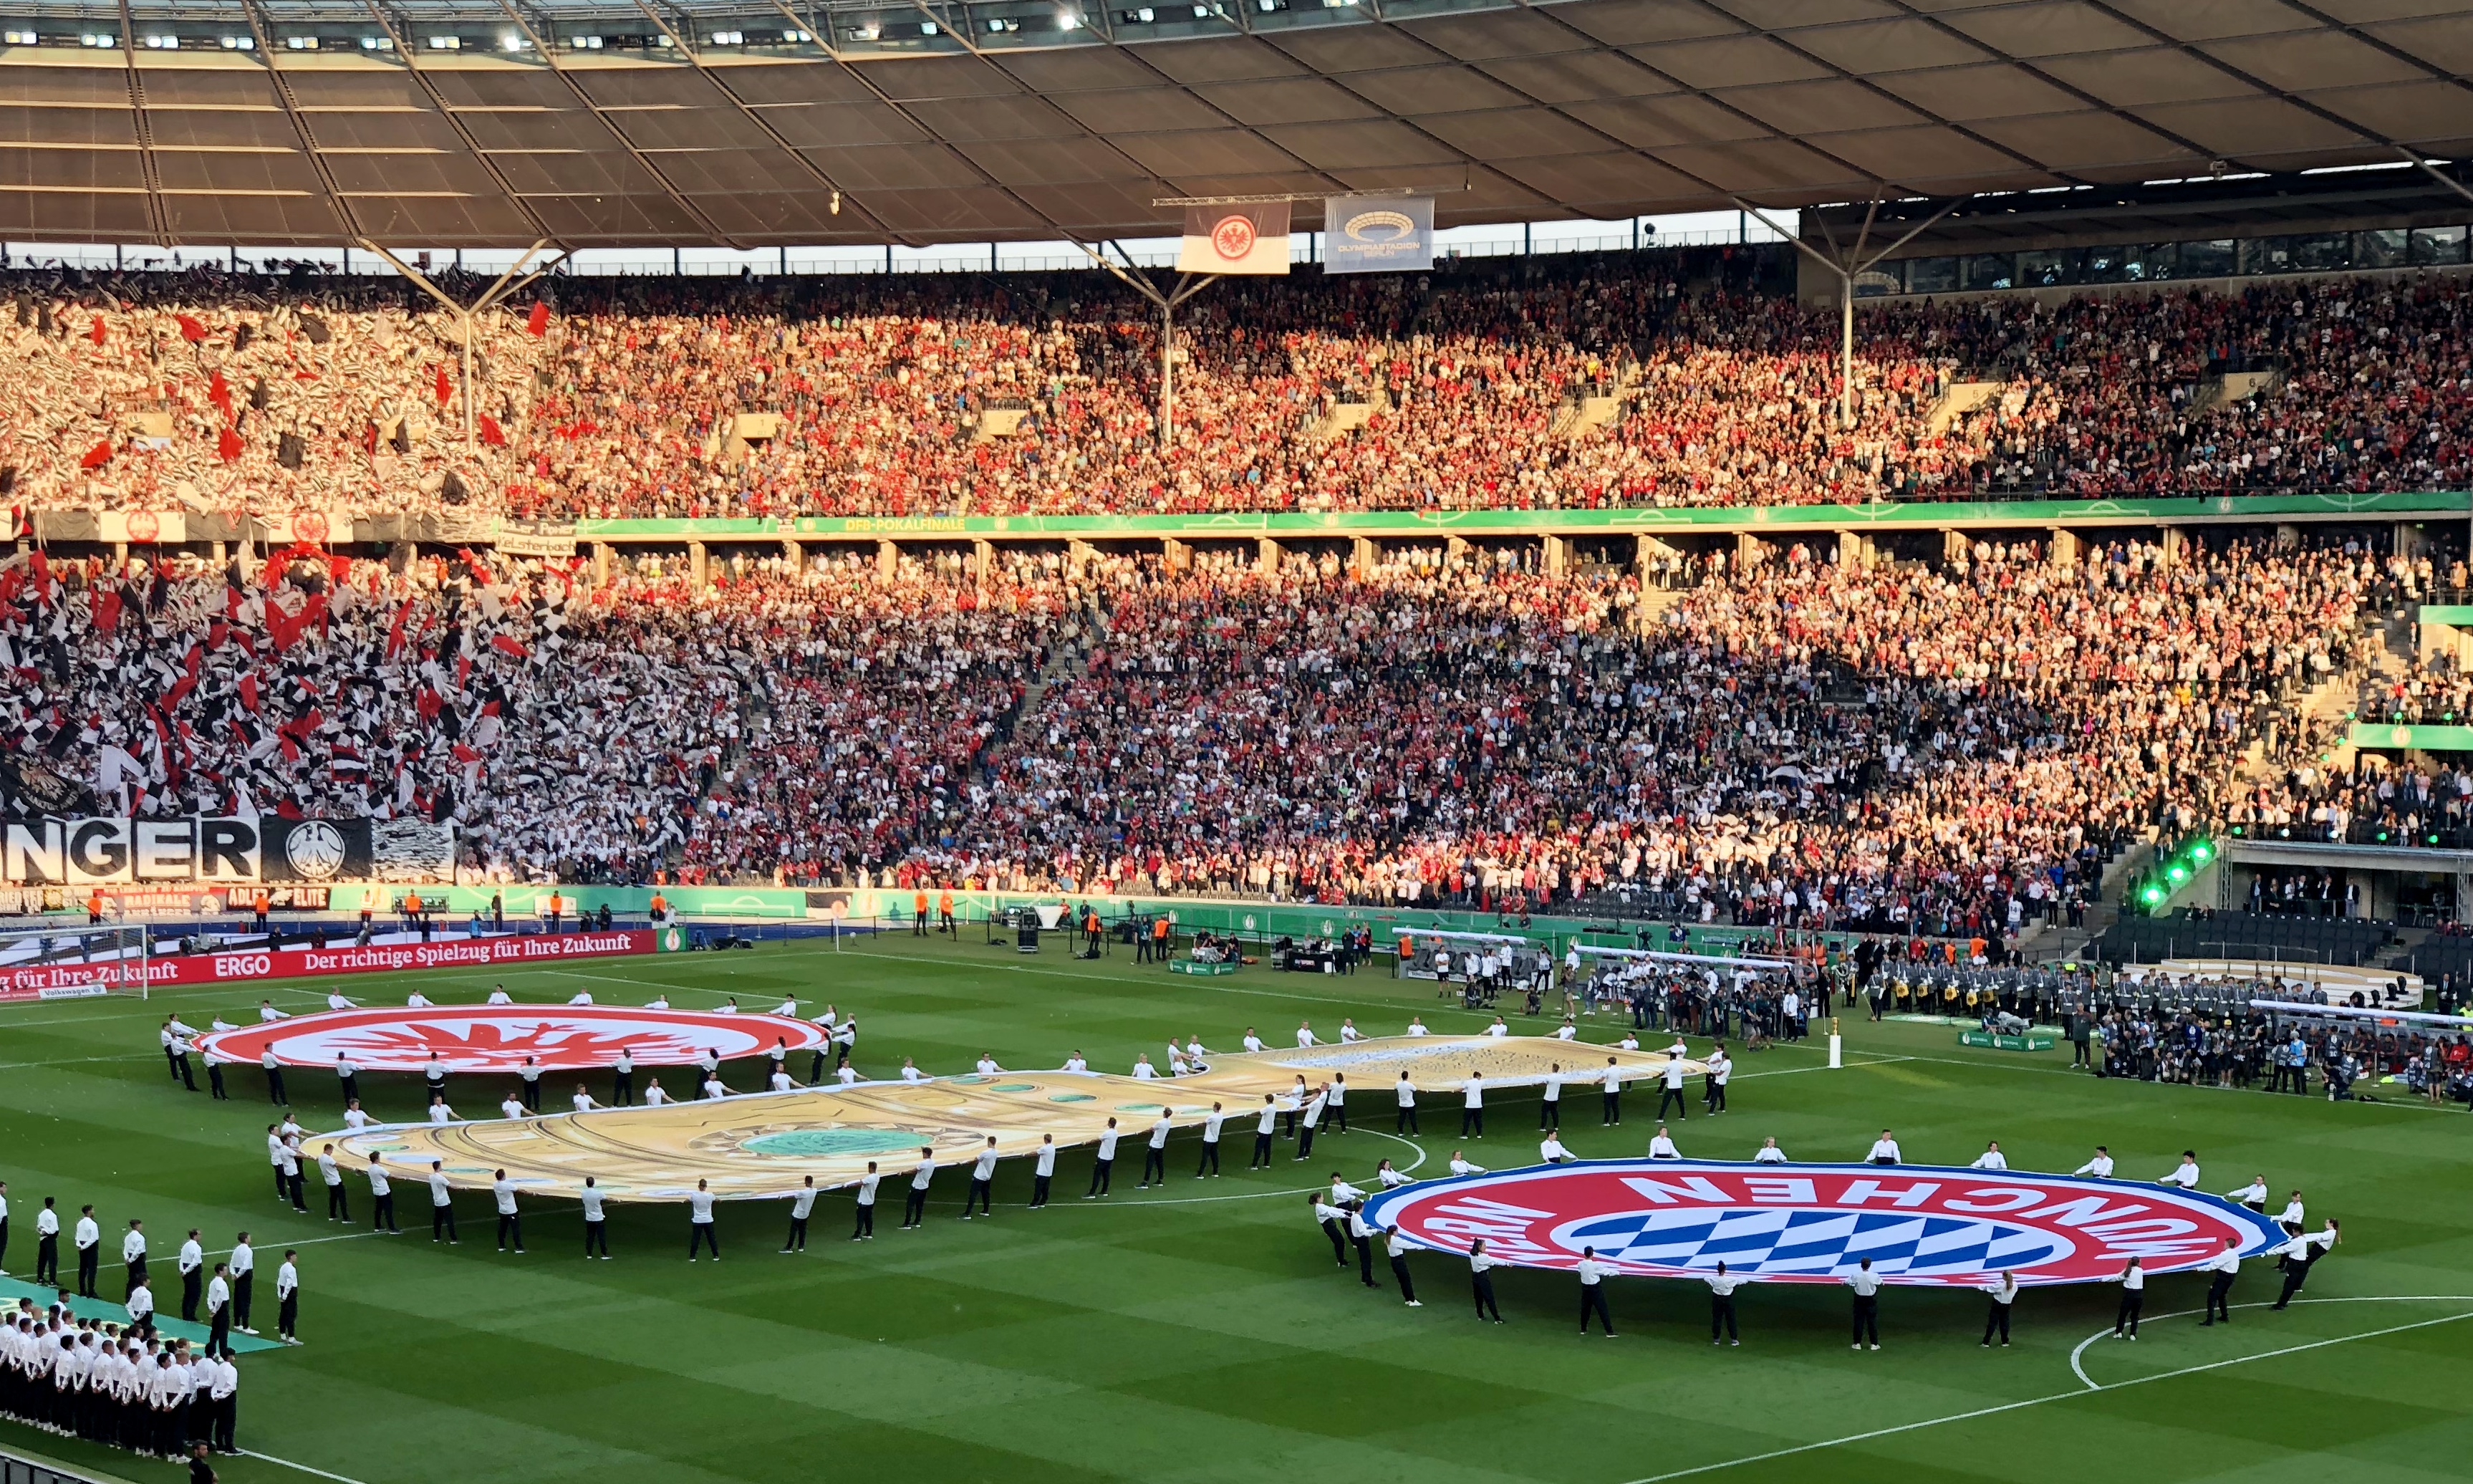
{"points": [[1721, 1306], [2220, 1270], [47, 1244], [1593, 1293], [382, 1197], [90, 1255], [1866, 1286], [1103, 1168], [2298, 1256], [2133, 1299], [1362, 1236], [348, 1080], [1262, 1133], [622, 1086], [529, 1076], [2005, 1292], [274, 1079], [1481, 1283], [215, 1078], [864, 1227], [1399, 1253], [1329, 1217], [1208, 1164], [219, 1315]]}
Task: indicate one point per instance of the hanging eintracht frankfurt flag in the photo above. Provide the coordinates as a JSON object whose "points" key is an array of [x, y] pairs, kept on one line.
{"points": [[1371, 234], [1235, 239]]}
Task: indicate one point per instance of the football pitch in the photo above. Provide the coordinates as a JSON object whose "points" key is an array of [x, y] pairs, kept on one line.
{"points": [[1201, 1333]]}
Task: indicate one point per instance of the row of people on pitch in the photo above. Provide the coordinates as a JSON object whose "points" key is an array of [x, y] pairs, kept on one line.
{"points": [[115, 1385], [1345, 1225], [225, 1287]]}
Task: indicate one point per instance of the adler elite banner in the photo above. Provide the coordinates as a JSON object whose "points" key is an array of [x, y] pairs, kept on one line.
{"points": [[1249, 239], [1375, 235]]}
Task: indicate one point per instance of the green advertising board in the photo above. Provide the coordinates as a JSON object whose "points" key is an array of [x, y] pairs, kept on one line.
{"points": [[2002, 1042]]}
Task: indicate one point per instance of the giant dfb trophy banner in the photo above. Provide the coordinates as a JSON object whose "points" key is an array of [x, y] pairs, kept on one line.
{"points": [[82, 851], [1249, 239], [1369, 234]]}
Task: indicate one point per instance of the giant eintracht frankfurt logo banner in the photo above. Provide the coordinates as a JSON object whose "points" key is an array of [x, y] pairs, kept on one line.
{"points": [[498, 1037], [1815, 1223]]}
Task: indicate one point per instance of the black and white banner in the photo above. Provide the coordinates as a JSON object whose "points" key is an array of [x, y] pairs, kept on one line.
{"points": [[91, 851]]}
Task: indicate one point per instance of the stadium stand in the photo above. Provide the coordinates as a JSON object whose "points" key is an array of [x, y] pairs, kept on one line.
{"points": [[208, 390]]}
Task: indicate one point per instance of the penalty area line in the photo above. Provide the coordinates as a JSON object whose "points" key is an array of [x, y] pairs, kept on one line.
{"points": [[2090, 1389]]}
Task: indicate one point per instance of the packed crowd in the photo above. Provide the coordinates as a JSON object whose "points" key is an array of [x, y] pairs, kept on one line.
{"points": [[1039, 394], [1425, 731]]}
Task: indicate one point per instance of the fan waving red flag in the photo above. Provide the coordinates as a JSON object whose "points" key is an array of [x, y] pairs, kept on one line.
{"points": [[218, 393], [96, 334], [509, 644], [100, 454], [228, 446], [446, 389], [192, 329], [491, 433], [538, 323]]}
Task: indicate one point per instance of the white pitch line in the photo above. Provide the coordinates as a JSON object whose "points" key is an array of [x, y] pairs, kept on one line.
{"points": [[2093, 1384], [339, 1478], [298, 1242], [2058, 1396]]}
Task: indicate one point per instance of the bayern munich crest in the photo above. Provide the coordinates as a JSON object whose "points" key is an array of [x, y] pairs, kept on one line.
{"points": [[498, 1037], [1920, 1225]]}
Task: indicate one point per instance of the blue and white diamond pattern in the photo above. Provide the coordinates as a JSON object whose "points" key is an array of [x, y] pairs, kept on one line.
{"points": [[1813, 1243]]}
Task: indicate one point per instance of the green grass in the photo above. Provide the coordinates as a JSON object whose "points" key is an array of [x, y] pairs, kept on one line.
{"points": [[1204, 1336]]}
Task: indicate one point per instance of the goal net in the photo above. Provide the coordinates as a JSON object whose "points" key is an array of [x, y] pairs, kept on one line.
{"points": [[72, 959]]}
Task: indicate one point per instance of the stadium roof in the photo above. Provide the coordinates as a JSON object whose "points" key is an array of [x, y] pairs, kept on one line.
{"points": [[607, 123]]}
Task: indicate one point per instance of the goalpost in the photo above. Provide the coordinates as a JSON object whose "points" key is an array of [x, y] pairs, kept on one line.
{"points": [[70, 958]]}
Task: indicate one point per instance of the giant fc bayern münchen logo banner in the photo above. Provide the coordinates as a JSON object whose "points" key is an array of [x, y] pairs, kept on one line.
{"points": [[1815, 1223], [498, 1037]]}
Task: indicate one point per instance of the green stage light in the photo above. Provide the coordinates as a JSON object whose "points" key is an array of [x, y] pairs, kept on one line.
{"points": [[2177, 873], [2152, 896], [2202, 852]]}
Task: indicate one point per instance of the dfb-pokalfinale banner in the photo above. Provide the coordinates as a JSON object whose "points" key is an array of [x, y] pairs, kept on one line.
{"points": [[194, 848], [1371, 234]]}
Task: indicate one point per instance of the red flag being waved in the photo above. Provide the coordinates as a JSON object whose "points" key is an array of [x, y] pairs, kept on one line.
{"points": [[509, 644], [96, 334], [191, 329], [218, 393], [538, 322], [228, 446], [491, 433], [100, 454], [446, 389]]}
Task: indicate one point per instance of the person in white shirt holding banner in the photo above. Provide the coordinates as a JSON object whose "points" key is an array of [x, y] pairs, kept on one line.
{"points": [[1867, 1287], [1593, 1292], [983, 1178], [596, 1224], [2004, 1290], [2185, 1174], [2220, 1270], [2133, 1299], [1481, 1280], [1721, 1305], [2101, 1166], [1991, 1158], [802, 1203]]}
